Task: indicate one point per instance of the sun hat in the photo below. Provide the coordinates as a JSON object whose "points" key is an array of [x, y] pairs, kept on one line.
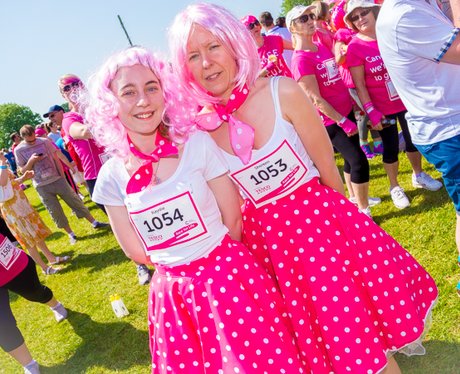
{"points": [[355, 4], [296, 12]]}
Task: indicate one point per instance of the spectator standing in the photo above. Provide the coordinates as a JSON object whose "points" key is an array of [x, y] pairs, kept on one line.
{"points": [[270, 49], [25, 223], [380, 99], [421, 50], [266, 20], [40, 155]]}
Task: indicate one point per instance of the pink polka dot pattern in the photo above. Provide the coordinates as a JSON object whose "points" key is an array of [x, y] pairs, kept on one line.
{"points": [[352, 292], [220, 314]]}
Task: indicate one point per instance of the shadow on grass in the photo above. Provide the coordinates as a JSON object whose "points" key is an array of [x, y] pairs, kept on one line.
{"points": [[424, 201], [114, 346], [95, 261], [441, 358]]}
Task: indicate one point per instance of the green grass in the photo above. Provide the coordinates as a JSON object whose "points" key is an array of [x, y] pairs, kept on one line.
{"points": [[94, 340]]}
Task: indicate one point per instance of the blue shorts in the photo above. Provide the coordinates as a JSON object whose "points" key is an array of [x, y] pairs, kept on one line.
{"points": [[445, 156]]}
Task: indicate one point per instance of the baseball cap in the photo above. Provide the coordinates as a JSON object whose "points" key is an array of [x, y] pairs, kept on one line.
{"points": [[54, 108]]}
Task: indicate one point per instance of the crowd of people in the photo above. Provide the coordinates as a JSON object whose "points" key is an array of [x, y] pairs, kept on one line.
{"points": [[217, 168]]}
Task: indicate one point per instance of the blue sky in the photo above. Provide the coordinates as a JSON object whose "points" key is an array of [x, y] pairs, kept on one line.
{"points": [[42, 40]]}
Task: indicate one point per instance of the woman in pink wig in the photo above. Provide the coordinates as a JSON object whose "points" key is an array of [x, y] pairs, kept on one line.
{"points": [[353, 293], [212, 308]]}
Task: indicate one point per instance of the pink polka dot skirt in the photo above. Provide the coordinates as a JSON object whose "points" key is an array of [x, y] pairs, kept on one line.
{"points": [[220, 314], [352, 292]]}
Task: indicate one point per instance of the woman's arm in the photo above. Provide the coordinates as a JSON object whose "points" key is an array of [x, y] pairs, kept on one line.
{"points": [[78, 130], [357, 73], [229, 204], [309, 85], [298, 110], [125, 234]]}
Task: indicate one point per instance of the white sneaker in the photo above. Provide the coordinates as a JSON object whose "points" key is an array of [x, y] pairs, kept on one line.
{"points": [[372, 201], [426, 182], [366, 211], [143, 274], [60, 313], [32, 368], [399, 198], [72, 239]]}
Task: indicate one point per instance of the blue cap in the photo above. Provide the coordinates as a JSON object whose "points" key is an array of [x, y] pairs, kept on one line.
{"points": [[54, 108]]}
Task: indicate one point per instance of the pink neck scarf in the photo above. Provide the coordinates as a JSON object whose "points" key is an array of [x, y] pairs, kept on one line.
{"points": [[241, 134], [143, 176]]}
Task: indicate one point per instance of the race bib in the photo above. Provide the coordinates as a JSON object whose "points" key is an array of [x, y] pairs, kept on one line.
{"points": [[176, 221], [271, 177], [332, 70], [8, 254], [392, 93]]}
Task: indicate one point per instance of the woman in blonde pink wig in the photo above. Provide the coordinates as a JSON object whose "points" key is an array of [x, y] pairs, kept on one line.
{"points": [[349, 287], [212, 308]]}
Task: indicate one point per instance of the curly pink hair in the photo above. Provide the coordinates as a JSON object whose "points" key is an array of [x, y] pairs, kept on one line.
{"points": [[102, 111], [228, 30]]}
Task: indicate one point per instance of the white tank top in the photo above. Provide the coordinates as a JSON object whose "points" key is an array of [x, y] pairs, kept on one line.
{"points": [[276, 169]]}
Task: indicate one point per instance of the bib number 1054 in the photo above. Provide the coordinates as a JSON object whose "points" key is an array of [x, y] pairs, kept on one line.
{"points": [[164, 219]]}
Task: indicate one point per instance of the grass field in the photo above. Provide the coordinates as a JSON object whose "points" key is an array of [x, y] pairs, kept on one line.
{"points": [[94, 340]]}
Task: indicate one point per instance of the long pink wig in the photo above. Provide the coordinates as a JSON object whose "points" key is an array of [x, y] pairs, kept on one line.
{"points": [[228, 30], [102, 111]]}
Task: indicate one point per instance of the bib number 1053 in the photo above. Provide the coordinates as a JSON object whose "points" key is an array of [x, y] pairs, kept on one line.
{"points": [[270, 171]]}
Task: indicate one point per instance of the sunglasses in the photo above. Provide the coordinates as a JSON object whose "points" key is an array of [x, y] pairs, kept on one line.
{"points": [[304, 18], [253, 24], [363, 14], [69, 87]]}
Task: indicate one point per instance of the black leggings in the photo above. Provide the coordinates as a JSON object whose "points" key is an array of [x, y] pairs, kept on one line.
{"points": [[390, 138], [355, 161], [27, 285], [91, 183]]}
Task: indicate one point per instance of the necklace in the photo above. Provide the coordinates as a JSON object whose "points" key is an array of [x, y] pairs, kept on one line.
{"points": [[155, 179]]}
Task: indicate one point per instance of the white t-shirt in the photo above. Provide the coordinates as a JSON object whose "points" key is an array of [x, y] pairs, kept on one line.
{"points": [[413, 35], [178, 220]]}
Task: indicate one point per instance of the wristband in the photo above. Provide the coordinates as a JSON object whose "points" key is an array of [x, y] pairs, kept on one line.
{"points": [[374, 115], [3, 167], [348, 126]]}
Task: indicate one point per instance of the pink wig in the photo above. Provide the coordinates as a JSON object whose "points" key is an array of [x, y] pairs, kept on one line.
{"points": [[229, 31], [102, 111]]}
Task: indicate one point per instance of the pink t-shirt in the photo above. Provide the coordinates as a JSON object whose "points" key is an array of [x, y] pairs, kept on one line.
{"points": [[345, 36], [273, 46], [378, 83], [92, 157], [331, 87], [12, 261]]}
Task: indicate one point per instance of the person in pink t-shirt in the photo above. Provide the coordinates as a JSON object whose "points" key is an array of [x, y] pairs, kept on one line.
{"points": [[315, 69], [19, 275], [270, 49], [76, 131], [380, 99]]}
